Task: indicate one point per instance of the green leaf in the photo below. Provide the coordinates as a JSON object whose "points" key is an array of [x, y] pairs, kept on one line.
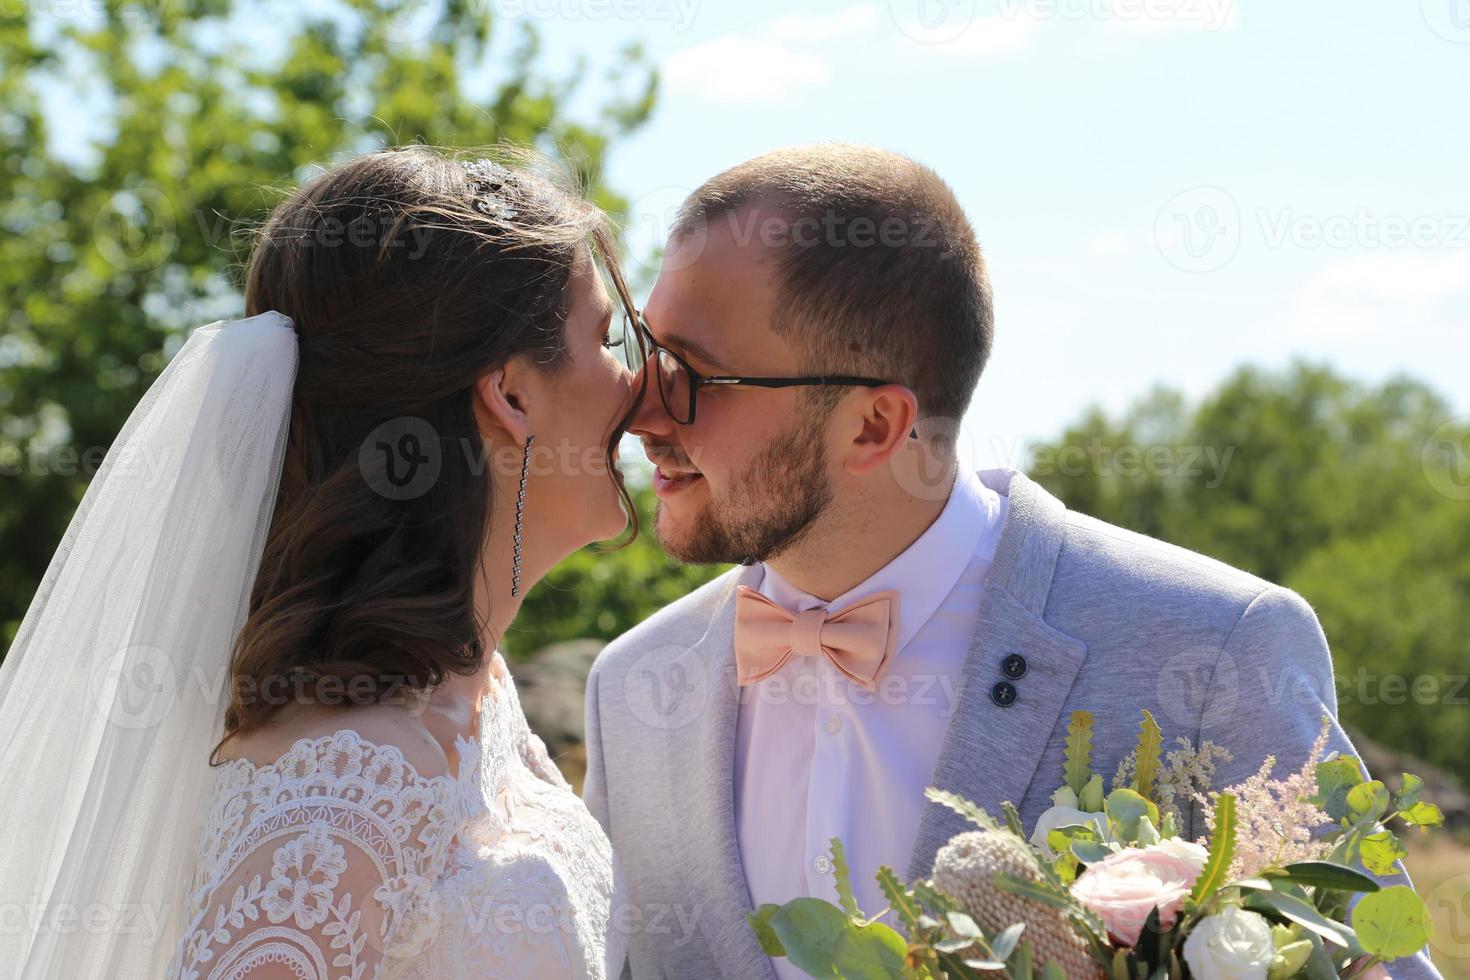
{"points": [[1423, 815], [1147, 835], [1392, 923], [1408, 791], [1222, 849], [903, 905], [933, 899], [1004, 944], [1013, 819], [760, 921], [1302, 913], [1077, 765], [1335, 778], [1046, 894], [1379, 851], [1325, 874], [1170, 825], [1052, 972], [810, 930], [870, 952], [1367, 801], [1090, 851], [1289, 959], [1091, 798], [964, 808], [844, 880], [1147, 756], [963, 926], [1124, 808], [1021, 965]]}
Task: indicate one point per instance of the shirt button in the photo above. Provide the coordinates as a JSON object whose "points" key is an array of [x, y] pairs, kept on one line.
{"points": [[834, 725], [823, 864], [1003, 694], [1014, 666]]}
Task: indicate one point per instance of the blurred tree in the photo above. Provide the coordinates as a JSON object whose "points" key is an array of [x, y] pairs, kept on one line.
{"points": [[194, 117], [1355, 497]]}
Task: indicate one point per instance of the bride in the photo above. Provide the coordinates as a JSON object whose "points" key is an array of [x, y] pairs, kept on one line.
{"points": [[255, 723]]}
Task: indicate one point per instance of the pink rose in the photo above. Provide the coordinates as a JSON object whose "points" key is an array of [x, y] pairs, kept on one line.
{"points": [[1125, 887]]}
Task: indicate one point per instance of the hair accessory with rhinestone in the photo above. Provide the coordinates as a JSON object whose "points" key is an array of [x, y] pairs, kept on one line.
{"points": [[488, 177]]}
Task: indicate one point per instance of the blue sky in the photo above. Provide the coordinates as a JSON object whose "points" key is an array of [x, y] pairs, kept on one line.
{"points": [[1165, 189]]}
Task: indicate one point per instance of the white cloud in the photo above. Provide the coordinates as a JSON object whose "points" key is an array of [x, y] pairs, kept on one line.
{"points": [[736, 69], [1385, 297]]}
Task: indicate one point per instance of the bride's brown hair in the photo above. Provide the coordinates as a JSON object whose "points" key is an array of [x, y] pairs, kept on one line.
{"points": [[408, 275]]}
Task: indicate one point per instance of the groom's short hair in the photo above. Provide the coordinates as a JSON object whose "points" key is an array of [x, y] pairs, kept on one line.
{"points": [[880, 273]]}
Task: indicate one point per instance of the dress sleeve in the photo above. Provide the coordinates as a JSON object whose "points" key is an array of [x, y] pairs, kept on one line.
{"points": [[323, 868]]}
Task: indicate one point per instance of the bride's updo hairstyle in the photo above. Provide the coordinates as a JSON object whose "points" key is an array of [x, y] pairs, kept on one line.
{"points": [[409, 275]]}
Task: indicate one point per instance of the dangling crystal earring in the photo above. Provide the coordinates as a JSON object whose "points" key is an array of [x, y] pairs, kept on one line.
{"points": [[515, 572]]}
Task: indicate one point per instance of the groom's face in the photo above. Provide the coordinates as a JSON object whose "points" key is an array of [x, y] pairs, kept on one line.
{"points": [[749, 476]]}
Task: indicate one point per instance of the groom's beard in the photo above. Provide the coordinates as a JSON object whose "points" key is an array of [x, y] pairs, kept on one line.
{"points": [[768, 511]]}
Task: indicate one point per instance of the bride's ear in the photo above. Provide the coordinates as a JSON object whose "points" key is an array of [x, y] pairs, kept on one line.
{"points": [[500, 401]]}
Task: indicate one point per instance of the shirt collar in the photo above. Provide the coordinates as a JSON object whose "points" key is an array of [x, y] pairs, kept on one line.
{"points": [[925, 572]]}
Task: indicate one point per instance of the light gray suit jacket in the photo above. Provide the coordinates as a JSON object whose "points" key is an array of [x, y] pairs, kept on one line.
{"points": [[1108, 620]]}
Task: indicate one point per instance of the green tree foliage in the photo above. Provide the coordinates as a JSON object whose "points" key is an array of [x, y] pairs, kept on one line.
{"points": [[195, 128], [1357, 497]]}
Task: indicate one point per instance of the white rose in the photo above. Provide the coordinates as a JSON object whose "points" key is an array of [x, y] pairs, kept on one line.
{"points": [[1184, 850], [1231, 945], [1066, 816]]}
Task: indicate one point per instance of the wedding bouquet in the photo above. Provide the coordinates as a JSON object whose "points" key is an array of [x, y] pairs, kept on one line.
{"points": [[1105, 886]]}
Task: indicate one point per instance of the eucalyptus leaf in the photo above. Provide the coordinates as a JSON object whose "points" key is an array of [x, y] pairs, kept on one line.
{"points": [[810, 930], [760, 921], [1423, 815], [1367, 801], [1392, 923], [1335, 778], [870, 952], [1379, 851]]}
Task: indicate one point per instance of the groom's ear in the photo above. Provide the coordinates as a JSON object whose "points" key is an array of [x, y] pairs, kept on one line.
{"points": [[500, 401], [889, 414]]}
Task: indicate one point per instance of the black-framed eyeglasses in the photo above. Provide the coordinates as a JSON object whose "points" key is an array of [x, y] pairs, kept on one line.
{"points": [[679, 384]]}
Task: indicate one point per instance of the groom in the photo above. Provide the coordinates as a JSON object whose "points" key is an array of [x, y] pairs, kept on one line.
{"points": [[821, 320]]}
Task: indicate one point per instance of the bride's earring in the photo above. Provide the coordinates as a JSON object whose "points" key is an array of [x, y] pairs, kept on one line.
{"points": [[515, 572]]}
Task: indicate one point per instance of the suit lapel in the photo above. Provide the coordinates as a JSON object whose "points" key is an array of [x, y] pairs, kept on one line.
{"points": [[990, 752], [708, 814]]}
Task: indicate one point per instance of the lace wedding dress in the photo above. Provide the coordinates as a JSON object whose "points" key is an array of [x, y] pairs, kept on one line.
{"points": [[340, 861]]}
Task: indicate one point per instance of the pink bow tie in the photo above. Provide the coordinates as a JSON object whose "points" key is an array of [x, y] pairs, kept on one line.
{"points": [[859, 639]]}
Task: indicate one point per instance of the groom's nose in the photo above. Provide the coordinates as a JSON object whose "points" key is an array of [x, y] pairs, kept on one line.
{"points": [[651, 417]]}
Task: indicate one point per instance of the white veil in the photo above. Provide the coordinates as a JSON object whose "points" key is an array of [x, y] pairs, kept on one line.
{"points": [[114, 691]]}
